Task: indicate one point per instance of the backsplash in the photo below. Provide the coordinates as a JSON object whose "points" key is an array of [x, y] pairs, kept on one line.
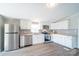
{"points": [[25, 31], [69, 32]]}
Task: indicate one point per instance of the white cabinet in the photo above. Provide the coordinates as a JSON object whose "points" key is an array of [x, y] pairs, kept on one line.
{"points": [[60, 25], [63, 40], [37, 38], [22, 41], [24, 24]]}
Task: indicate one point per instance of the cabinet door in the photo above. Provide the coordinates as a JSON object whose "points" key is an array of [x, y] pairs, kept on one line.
{"points": [[63, 40], [58, 25], [38, 39], [34, 39], [22, 41], [68, 42]]}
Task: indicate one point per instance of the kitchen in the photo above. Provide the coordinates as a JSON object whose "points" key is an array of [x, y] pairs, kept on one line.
{"points": [[26, 31]]}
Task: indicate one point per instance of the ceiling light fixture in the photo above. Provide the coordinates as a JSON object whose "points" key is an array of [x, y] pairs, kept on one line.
{"points": [[50, 5]]}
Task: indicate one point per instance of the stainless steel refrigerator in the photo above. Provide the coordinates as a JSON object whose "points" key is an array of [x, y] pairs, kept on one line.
{"points": [[11, 37]]}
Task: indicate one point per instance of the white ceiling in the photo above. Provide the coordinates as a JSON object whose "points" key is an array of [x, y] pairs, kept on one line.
{"points": [[38, 10]]}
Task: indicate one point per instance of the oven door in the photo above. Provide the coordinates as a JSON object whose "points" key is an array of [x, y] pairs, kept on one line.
{"points": [[47, 37]]}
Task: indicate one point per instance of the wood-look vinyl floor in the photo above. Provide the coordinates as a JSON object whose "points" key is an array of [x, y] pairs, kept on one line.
{"points": [[44, 49]]}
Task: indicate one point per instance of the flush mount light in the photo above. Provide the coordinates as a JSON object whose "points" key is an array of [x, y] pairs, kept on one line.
{"points": [[50, 5]]}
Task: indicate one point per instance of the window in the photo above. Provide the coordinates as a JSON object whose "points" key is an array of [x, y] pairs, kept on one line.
{"points": [[35, 27]]}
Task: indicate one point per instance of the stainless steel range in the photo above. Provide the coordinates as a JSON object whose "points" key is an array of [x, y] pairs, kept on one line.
{"points": [[47, 36], [46, 33]]}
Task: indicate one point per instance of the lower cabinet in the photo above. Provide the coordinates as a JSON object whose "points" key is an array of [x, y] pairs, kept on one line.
{"points": [[62, 40], [31, 39], [37, 38]]}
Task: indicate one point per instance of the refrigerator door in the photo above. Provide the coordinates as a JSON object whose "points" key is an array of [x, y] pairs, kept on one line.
{"points": [[16, 37], [10, 37], [8, 42]]}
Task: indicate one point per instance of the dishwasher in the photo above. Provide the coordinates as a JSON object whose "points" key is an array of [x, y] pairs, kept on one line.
{"points": [[25, 40]]}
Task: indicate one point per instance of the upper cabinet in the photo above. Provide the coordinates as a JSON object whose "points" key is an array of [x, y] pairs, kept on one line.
{"points": [[25, 24], [60, 25]]}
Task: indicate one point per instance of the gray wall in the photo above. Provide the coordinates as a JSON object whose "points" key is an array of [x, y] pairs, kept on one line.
{"points": [[1, 33], [78, 33]]}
